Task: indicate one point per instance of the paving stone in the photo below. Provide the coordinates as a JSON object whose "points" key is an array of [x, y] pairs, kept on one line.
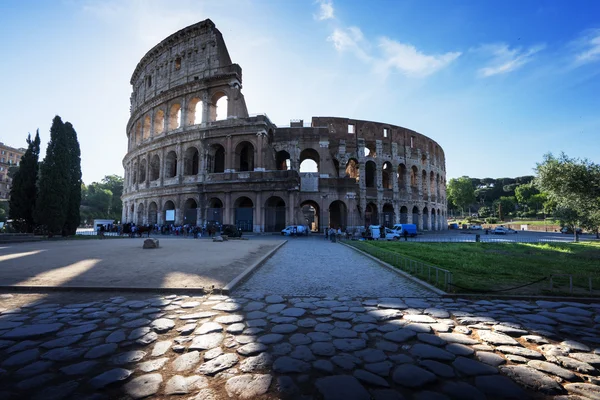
{"points": [[574, 345], [293, 312], [364, 327], [183, 385], [153, 365], [275, 308], [346, 361], [400, 335], [343, 333], [489, 358], [584, 389], [161, 348], [457, 338], [229, 319], [256, 315], [64, 354], [245, 339], [34, 368], [6, 343], [553, 369], [551, 351], [208, 327], [186, 361], [198, 315], [162, 325], [509, 330], [535, 339], [319, 336], [276, 319], [470, 367], [143, 386], [516, 359], [287, 364], [270, 338], [56, 392], [32, 331], [299, 338], [519, 351], [256, 323], [284, 328], [109, 377], [24, 345], [101, 351], [385, 314], [426, 351], [498, 386], [36, 381], [540, 319], [128, 357], [206, 342], [303, 353], [323, 349], [386, 394], [22, 358], [148, 338], [218, 364], [227, 307], [349, 344], [77, 330], [438, 368], [341, 387], [424, 319], [431, 339], [532, 379], [459, 349], [213, 353], [261, 362], [272, 299], [252, 349], [411, 376], [386, 346], [497, 338], [371, 355], [370, 378], [592, 359]]}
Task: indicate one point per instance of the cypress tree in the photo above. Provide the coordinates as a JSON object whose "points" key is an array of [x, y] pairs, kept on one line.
{"points": [[74, 175], [23, 191], [53, 185]]}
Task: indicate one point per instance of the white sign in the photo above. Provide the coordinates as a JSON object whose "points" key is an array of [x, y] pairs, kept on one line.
{"points": [[309, 182], [170, 215]]}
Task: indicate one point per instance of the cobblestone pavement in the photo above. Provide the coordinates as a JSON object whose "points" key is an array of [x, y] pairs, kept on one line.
{"points": [[257, 346], [316, 267]]}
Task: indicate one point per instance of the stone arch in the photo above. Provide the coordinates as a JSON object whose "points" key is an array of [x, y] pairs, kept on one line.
{"points": [[275, 210], [139, 220], [191, 161], [415, 218], [159, 122], [138, 132], [219, 108], [244, 213], [194, 111], [401, 175], [425, 218], [154, 168], [439, 220], [338, 214], [171, 164], [216, 158], [352, 169], [142, 171], [152, 213], [134, 173], [414, 176], [190, 212], [424, 184], [388, 215], [146, 127], [311, 213], [371, 214], [437, 188], [404, 215], [432, 190], [169, 212], [423, 160], [283, 160], [309, 154], [132, 213], [386, 175], [214, 212], [370, 174], [244, 156], [174, 120], [336, 167], [370, 150], [433, 220]]}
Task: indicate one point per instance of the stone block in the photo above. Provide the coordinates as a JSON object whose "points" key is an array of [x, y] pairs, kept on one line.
{"points": [[151, 244]]}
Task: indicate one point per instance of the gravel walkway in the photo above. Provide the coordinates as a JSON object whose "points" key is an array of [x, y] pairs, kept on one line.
{"points": [[316, 267]]}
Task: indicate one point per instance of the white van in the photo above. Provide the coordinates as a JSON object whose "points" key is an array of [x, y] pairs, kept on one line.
{"points": [[295, 229]]}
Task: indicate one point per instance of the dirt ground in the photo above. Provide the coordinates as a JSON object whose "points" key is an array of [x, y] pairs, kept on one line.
{"points": [[177, 263]]}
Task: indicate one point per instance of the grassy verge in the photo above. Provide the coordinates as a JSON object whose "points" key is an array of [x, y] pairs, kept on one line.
{"points": [[487, 267]]}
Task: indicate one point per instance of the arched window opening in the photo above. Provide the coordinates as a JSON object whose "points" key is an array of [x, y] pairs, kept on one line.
{"points": [[414, 173], [194, 111], [159, 122], [154, 168], [310, 212], [216, 159], [282, 161], [423, 159], [274, 214], [386, 173], [425, 218], [338, 215], [370, 150], [169, 212], [190, 214], [214, 213], [401, 176], [244, 156], [424, 184], [138, 133], [433, 221], [415, 218], [370, 174], [309, 160], [336, 168], [140, 214], [371, 215], [174, 116], [403, 215], [221, 108], [152, 213], [190, 161], [177, 63], [142, 171], [131, 213], [352, 169], [388, 215], [146, 127], [432, 183], [171, 165], [244, 214], [134, 173]]}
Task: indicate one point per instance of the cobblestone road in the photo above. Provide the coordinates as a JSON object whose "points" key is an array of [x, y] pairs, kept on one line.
{"points": [[317, 267], [253, 346]]}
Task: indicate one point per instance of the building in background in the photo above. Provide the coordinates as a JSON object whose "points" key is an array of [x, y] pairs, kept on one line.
{"points": [[9, 157]]}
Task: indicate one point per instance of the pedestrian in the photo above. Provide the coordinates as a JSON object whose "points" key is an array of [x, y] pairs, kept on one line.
{"points": [[326, 233]]}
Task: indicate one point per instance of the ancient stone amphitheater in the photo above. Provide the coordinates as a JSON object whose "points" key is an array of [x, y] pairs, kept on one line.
{"points": [[196, 156]]}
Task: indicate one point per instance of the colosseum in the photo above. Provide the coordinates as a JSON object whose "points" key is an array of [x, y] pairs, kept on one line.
{"points": [[195, 155]]}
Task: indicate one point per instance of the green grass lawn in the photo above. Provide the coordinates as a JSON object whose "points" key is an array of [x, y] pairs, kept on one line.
{"points": [[496, 266]]}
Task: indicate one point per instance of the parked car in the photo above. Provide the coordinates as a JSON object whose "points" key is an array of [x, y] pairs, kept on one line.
{"points": [[500, 230], [231, 231], [569, 229], [476, 227], [453, 225], [511, 230]]}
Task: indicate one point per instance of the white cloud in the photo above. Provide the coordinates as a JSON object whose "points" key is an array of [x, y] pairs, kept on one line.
{"points": [[350, 39], [505, 59], [410, 61], [325, 10], [588, 47]]}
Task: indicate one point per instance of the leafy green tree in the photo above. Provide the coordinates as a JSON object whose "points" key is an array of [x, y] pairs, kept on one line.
{"points": [[4, 211], [524, 192], [72, 217], [54, 182], [461, 192], [504, 205], [23, 191], [484, 212], [114, 183], [574, 185], [102, 200]]}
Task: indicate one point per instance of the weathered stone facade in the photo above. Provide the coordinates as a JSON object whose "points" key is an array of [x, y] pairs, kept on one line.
{"points": [[186, 165]]}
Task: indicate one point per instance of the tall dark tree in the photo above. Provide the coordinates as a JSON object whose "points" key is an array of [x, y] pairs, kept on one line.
{"points": [[54, 182], [72, 218], [23, 191]]}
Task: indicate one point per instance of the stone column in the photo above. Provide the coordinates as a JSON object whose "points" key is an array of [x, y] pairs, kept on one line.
{"points": [[152, 123], [258, 152], [179, 162], [229, 156], [162, 167], [147, 184], [259, 207], [124, 212], [178, 212], [183, 116], [227, 209]]}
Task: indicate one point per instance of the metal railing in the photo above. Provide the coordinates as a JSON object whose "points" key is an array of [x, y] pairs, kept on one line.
{"points": [[580, 277], [432, 274]]}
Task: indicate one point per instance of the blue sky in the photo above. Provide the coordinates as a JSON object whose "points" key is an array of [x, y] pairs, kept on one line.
{"points": [[496, 84]]}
